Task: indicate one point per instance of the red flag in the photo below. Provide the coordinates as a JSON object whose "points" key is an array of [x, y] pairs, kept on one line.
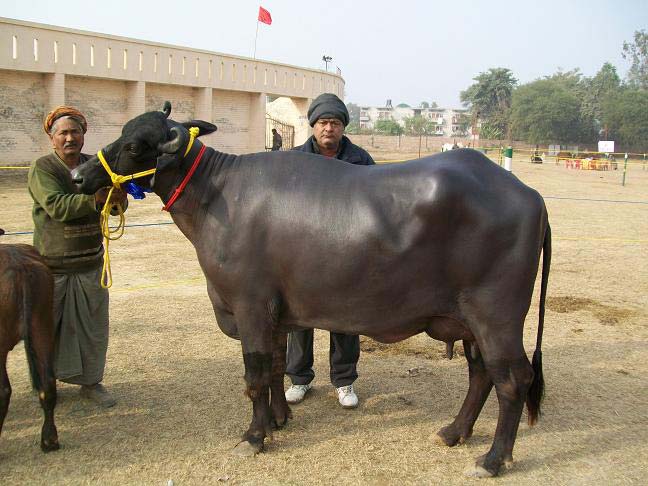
{"points": [[264, 16]]}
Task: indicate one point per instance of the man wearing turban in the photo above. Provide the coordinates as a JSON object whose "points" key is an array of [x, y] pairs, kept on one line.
{"points": [[67, 234], [328, 116]]}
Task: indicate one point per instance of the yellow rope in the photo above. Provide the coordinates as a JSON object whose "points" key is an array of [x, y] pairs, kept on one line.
{"points": [[108, 234], [117, 180]]}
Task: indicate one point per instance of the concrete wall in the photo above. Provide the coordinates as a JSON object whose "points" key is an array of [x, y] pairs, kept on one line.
{"points": [[112, 79], [22, 105]]}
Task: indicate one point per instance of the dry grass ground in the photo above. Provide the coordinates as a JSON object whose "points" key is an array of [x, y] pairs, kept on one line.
{"points": [[179, 381]]}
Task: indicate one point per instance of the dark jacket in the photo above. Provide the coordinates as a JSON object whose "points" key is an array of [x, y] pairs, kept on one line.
{"points": [[349, 152], [66, 223], [277, 142]]}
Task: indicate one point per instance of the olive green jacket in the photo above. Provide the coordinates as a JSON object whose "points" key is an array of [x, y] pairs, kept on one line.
{"points": [[66, 223]]}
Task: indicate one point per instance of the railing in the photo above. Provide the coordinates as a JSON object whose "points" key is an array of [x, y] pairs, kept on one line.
{"points": [[286, 131], [43, 48]]}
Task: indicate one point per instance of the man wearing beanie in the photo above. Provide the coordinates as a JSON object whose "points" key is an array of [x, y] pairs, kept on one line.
{"points": [[68, 236], [328, 116]]}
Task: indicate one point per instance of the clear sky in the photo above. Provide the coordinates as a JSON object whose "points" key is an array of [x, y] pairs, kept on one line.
{"points": [[406, 50]]}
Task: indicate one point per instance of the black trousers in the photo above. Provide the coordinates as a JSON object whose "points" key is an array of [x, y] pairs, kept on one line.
{"points": [[344, 353]]}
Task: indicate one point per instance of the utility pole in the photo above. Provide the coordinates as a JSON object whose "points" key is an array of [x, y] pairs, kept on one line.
{"points": [[326, 60]]}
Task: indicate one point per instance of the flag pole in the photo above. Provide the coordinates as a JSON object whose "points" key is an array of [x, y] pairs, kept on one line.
{"points": [[255, 39]]}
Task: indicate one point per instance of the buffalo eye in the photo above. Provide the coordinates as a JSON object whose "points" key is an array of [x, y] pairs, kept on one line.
{"points": [[132, 148]]}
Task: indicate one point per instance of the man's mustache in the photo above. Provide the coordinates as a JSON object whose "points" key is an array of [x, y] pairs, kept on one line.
{"points": [[70, 144]]}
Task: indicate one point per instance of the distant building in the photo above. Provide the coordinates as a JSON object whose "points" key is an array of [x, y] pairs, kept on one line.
{"points": [[447, 120]]}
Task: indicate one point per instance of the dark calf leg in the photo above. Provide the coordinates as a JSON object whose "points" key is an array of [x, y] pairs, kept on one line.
{"points": [[278, 405], [512, 380], [5, 388], [39, 346], [49, 434], [40, 356], [479, 388]]}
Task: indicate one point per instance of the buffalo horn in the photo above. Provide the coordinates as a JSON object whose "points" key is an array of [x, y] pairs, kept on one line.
{"points": [[167, 109], [179, 140]]}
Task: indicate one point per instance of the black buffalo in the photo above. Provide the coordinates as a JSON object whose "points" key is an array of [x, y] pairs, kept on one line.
{"points": [[448, 245]]}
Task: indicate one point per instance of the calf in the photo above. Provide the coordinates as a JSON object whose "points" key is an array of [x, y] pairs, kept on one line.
{"points": [[26, 288]]}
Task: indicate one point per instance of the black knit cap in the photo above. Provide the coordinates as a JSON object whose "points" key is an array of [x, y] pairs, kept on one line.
{"points": [[327, 105]]}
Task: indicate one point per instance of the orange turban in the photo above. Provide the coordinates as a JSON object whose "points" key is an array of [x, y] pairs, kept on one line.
{"points": [[61, 111]]}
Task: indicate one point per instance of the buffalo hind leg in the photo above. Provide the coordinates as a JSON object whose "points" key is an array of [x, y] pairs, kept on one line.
{"points": [[512, 379], [278, 405], [41, 367], [5, 388], [479, 388]]}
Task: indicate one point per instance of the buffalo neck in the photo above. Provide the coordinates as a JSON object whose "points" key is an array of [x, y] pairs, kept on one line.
{"points": [[204, 186]]}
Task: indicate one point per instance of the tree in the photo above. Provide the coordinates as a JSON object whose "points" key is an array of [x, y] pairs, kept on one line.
{"points": [[353, 127], [354, 112], [425, 104], [597, 90], [626, 115], [570, 80], [490, 96], [403, 105], [418, 125], [388, 127], [463, 124], [490, 132], [545, 111], [587, 91], [637, 53]]}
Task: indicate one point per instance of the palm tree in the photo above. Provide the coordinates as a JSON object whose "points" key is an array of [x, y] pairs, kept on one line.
{"points": [[491, 96]]}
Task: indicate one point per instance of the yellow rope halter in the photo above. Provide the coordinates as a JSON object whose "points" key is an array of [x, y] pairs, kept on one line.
{"points": [[117, 180]]}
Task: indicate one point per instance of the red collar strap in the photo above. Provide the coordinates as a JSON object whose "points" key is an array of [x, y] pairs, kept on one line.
{"points": [[185, 181]]}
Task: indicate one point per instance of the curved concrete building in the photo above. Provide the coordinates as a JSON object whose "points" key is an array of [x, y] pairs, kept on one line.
{"points": [[111, 79]]}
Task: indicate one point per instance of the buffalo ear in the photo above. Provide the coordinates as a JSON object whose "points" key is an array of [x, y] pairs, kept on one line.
{"points": [[205, 127]]}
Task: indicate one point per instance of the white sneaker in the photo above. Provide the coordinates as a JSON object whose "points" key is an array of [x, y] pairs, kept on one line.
{"points": [[347, 397], [296, 393]]}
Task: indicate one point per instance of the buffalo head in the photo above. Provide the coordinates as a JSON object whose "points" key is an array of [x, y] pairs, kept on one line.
{"points": [[150, 140]]}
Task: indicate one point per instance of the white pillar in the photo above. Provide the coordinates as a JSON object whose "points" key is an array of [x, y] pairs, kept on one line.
{"points": [[136, 92], [508, 158], [256, 122], [55, 83]]}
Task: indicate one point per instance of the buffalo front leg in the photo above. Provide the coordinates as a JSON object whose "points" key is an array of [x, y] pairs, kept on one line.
{"points": [[479, 388], [512, 379], [280, 409], [257, 358]]}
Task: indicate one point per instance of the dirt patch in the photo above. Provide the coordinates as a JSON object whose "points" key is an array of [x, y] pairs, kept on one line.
{"points": [[608, 315], [419, 346]]}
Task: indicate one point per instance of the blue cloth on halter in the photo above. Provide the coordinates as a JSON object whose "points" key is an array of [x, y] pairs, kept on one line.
{"points": [[138, 192]]}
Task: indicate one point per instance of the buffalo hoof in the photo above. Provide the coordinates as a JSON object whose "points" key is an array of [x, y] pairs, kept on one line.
{"points": [[50, 445], [278, 425], [485, 468], [478, 472], [245, 449], [450, 436]]}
